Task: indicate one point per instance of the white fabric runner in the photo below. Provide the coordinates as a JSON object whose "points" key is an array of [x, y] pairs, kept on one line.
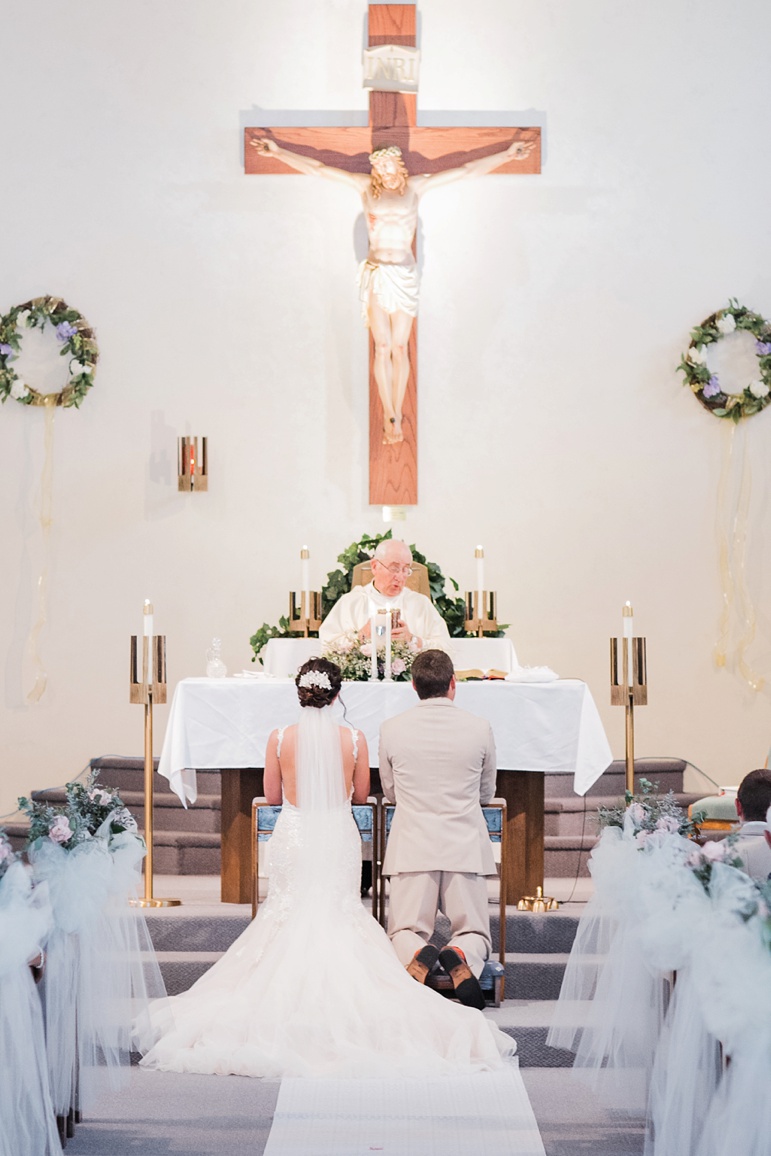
{"points": [[454, 1116]]}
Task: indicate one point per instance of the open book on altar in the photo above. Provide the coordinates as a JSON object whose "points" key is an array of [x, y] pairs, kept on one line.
{"points": [[476, 674]]}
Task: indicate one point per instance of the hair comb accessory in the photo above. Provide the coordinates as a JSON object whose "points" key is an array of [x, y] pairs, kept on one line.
{"points": [[315, 678]]}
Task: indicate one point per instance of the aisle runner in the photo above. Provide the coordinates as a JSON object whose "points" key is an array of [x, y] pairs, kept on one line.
{"points": [[455, 1116]]}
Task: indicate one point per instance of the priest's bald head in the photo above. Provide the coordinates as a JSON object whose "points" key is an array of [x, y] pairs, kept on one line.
{"points": [[391, 567]]}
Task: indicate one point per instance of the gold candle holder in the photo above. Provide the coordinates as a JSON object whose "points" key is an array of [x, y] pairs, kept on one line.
{"points": [[629, 687], [538, 902], [481, 618], [192, 467], [305, 618], [148, 691]]}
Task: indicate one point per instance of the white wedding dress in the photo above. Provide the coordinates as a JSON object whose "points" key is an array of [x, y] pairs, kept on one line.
{"points": [[313, 987]]}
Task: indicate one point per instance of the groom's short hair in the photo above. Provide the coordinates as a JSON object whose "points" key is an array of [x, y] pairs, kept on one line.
{"points": [[432, 673]]}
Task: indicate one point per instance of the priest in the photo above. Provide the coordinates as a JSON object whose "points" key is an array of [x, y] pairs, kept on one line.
{"points": [[419, 623]]}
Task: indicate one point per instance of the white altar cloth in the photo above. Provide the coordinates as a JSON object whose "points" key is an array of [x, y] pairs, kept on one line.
{"points": [[225, 722]]}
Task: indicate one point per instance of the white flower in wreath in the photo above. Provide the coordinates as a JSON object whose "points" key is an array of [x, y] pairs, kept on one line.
{"points": [[22, 318], [758, 389], [726, 323], [697, 355], [19, 390], [77, 367]]}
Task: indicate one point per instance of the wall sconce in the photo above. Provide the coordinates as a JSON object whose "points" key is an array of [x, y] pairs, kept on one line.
{"points": [[192, 467]]}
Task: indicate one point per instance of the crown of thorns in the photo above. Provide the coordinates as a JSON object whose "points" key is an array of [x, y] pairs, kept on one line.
{"points": [[388, 151], [315, 678]]}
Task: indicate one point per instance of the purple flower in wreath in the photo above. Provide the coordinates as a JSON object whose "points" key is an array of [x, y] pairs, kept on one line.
{"points": [[763, 348], [64, 331], [5, 350], [712, 388]]}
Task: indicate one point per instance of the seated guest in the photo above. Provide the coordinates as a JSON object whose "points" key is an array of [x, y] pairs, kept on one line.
{"points": [[752, 804], [419, 622]]}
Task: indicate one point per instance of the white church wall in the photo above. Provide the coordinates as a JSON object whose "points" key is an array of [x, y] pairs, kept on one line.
{"points": [[553, 428]]}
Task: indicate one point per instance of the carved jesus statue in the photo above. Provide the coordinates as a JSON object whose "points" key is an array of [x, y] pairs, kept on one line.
{"points": [[388, 278]]}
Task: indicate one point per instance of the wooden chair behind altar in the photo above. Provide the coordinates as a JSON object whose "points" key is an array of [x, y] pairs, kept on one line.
{"points": [[418, 579], [264, 815], [492, 979]]}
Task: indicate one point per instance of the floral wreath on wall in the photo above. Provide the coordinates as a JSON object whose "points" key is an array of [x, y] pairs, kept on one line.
{"points": [[452, 609], [77, 341], [715, 396]]}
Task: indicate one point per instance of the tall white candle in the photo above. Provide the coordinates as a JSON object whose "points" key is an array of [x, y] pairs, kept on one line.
{"points": [[305, 566], [479, 554], [373, 641], [147, 632], [628, 633], [387, 663]]}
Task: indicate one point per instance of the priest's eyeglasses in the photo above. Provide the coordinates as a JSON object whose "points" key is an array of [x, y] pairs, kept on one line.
{"points": [[394, 568]]}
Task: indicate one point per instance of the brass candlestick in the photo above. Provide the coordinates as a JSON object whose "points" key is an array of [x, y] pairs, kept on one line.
{"points": [[148, 691], [627, 691], [306, 617], [538, 902], [481, 614]]}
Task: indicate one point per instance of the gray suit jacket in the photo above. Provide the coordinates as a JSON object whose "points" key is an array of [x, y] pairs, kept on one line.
{"points": [[437, 763]]}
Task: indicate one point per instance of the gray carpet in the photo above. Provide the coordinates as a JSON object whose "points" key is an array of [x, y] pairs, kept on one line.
{"points": [[163, 1113]]}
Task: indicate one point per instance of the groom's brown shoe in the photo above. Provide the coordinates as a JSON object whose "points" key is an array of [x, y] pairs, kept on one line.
{"points": [[423, 962], [464, 981]]}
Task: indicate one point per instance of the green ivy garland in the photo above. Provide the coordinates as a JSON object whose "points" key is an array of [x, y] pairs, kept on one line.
{"points": [[706, 386], [77, 341], [451, 608]]}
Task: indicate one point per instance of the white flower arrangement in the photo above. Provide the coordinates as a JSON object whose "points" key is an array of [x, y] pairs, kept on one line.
{"points": [[315, 678], [78, 345], [706, 385]]}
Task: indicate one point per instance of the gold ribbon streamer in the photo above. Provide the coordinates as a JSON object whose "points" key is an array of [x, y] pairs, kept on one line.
{"points": [[46, 521], [733, 505]]}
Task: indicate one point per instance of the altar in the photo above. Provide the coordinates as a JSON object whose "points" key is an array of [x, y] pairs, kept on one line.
{"points": [[539, 727]]}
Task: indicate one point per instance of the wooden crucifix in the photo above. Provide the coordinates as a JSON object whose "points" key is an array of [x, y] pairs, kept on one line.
{"points": [[388, 278]]}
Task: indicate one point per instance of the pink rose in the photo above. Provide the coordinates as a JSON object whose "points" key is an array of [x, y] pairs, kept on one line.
{"points": [[398, 666], [641, 838], [5, 852], [60, 830], [366, 650], [668, 823], [714, 852], [636, 814]]}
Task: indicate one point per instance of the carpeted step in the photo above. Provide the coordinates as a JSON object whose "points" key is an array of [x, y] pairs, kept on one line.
{"points": [[540, 933], [168, 812], [128, 773], [534, 977], [181, 969], [186, 853], [185, 930], [528, 1022], [668, 773]]}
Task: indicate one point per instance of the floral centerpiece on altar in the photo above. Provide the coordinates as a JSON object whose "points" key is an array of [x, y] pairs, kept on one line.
{"points": [[355, 659], [89, 809], [647, 812]]}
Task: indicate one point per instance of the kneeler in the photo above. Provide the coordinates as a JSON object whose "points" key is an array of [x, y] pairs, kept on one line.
{"points": [[492, 979], [264, 815]]}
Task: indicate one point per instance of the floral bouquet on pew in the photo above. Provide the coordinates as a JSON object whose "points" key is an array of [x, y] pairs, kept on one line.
{"points": [[89, 811], [355, 659], [643, 814]]}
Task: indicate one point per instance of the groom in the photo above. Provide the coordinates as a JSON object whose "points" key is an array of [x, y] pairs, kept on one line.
{"points": [[437, 764]]}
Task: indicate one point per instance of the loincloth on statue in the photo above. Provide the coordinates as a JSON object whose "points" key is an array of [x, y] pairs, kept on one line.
{"points": [[394, 287]]}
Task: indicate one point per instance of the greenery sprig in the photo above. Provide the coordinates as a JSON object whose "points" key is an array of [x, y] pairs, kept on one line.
{"points": [[78, 344], [649, 811], [86, 808], [706, 385]]}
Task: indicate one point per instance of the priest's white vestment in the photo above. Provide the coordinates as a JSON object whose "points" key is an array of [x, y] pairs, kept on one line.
{"points": [[351, 612]]}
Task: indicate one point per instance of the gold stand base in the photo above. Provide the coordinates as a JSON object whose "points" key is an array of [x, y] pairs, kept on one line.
{"points": [[538, 902], [143, 902]]}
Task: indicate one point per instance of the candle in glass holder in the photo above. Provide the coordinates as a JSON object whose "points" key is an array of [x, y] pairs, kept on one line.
{"points": [[373, 643], [305, 566], [627, 620], [387, 639], [147, 632], [479, 554]]}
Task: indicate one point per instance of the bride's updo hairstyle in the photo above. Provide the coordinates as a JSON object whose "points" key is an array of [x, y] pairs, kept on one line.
{"points": [[318, 682]]}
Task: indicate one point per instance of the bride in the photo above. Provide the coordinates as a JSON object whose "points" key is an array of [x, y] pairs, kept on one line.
{"points": [[313, 987]]}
